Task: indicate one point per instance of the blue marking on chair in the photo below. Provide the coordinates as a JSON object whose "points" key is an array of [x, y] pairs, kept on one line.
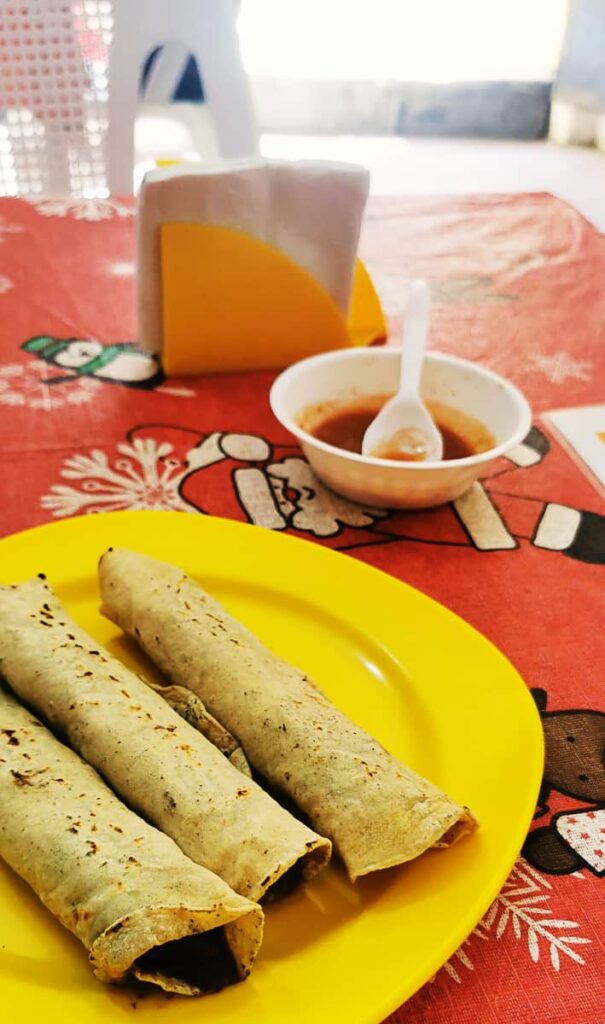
{"points": [[187, 89]]}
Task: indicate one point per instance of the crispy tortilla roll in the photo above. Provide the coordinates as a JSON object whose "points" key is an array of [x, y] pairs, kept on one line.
{"points": [[138, 904], [377, 812], [163, 767]]}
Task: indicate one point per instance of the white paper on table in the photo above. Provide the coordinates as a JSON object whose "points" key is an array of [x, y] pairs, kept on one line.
{"points": [[583, 430]]}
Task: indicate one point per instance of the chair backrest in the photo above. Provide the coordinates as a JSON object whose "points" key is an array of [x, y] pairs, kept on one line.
{"points": [[53, 96], [70, 86]]}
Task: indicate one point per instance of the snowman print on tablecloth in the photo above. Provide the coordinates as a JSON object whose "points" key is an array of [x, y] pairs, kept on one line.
{"points": [[118, 363]]}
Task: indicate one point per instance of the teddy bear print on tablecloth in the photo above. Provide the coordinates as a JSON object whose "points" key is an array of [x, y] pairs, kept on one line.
{"points": [[574, 837]]}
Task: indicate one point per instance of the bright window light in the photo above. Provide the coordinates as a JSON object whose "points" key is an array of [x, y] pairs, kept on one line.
{"points": [[405, 40]]}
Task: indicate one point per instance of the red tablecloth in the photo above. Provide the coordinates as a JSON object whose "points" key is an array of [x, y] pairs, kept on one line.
{"points": [[87, 425]]}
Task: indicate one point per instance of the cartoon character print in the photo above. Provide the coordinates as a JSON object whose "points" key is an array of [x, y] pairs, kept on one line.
{"points": [[276, 488], [118, 363], [273, 486], [229, 474], [498, 512], [574, 768]]}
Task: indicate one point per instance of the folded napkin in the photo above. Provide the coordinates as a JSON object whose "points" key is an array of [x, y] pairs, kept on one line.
{"points": [[309, 210]]}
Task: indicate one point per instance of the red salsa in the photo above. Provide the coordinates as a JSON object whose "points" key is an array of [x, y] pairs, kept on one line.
{"points": [[343, 424]]}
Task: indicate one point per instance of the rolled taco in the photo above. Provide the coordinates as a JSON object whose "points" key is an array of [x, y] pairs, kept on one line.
{"points": [[163, 767], [376, 811], [141, 908]]}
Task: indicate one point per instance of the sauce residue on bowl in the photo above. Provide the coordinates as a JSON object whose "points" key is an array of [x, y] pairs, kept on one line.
{"points": [[342, 423]]}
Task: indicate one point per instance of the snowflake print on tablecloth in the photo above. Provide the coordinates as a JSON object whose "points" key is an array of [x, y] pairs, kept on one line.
{"points": [[81, 209], [522, 910], [5, 284], [26, 385], [8, 229], [559, 366], [276, 493], [145, 477]]}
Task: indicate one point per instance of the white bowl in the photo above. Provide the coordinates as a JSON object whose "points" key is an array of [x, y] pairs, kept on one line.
{"points": [[352, 373]]}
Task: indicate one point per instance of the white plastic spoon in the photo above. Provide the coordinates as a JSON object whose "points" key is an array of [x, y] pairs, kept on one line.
{"points": [[404, 429]]}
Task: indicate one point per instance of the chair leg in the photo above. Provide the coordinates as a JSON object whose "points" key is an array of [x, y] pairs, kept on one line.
{"points": [[226, 85], [122, 110]]}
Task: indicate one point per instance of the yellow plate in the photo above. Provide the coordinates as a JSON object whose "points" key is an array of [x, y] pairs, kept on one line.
{"points": [[428, 686]]}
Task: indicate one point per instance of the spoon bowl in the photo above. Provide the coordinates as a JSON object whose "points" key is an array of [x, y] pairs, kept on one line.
{"points": [[403, 430]]}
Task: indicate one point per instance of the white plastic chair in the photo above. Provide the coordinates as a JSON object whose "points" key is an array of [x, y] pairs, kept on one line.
{"points": [[70, 72], [205, 29], [52, 96]]}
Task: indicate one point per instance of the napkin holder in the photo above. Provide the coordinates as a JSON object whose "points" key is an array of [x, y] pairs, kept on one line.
{"points": [[232, 302]]}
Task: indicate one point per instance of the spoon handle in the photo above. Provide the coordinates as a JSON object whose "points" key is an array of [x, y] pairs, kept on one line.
{"points": [[415, 329]]}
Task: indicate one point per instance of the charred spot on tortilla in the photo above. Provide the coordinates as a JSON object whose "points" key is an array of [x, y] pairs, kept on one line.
{"points": [[204, 961], [21, 779]]}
